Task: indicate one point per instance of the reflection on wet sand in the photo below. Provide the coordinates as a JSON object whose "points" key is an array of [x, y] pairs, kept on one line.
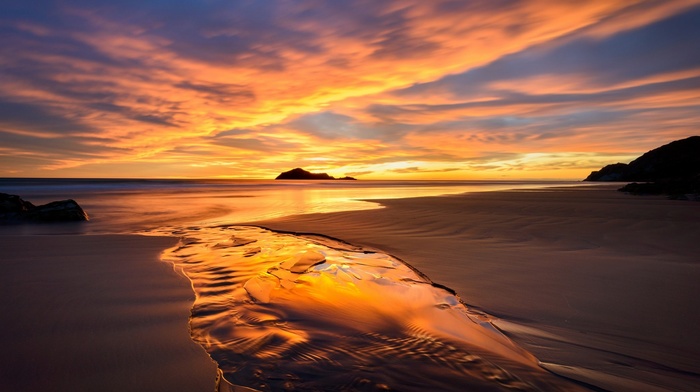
{"points": [[286, 312]]}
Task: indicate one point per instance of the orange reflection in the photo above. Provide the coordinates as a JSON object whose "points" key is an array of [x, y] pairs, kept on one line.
{"points": [[277, 311]]}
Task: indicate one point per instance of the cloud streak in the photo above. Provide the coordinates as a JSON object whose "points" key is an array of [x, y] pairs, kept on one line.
{"points": [[392, 89]]}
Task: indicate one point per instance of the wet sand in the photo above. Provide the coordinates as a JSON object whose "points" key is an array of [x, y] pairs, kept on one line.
{"points": [[284, 312], [600, 286], [96, 313]]}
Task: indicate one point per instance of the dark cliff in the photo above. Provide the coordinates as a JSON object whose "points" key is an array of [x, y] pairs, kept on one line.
{"points": [[672, 169], [677, 160]]}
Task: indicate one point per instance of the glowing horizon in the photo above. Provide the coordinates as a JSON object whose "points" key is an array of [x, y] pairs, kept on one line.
{"points": [[377, 90]]}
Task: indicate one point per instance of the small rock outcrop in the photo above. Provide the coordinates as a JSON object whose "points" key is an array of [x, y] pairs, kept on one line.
{"points": [[301, 174], [15, 210], [672, 169], [683, 189], [12, 206]]}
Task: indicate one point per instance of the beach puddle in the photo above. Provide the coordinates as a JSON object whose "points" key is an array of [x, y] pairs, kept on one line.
{"points": [[279, 311]]}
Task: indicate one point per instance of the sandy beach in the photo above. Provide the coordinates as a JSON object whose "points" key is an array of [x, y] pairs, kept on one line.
{"points": [[599, 285], [96, 313]]}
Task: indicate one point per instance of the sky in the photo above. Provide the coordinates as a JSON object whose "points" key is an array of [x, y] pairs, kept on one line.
{"points": [[441, 89]]}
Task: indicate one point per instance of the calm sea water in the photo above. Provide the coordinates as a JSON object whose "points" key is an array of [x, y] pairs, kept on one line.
{"points": [[123, 206]]}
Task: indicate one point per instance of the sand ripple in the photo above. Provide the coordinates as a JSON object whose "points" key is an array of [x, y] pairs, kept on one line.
{"points": [[285, 312]]}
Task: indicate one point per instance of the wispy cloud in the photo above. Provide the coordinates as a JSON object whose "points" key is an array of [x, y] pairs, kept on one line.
{"points": [[394, 88]]}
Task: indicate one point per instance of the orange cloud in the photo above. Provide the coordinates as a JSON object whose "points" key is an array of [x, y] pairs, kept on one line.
{"points": [[154, 88]]}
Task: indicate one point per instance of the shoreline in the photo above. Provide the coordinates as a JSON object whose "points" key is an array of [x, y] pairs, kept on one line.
{"points": [[597, 284]]}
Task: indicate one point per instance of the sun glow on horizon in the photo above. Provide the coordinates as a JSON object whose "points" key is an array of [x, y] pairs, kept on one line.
{"points": [[390, 90]]}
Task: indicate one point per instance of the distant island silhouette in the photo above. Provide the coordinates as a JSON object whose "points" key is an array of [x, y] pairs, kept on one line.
{"points": [[672, 169], [301, 174]]}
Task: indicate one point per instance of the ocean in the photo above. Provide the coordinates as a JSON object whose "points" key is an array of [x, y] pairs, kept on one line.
{"points": [[134, 205]]}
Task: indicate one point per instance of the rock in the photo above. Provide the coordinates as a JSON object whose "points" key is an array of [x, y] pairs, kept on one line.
{"points": [[672, 169], [14, 209], [612, 172], [301, 174], [58, 211], [682, 189], [674, 161]]}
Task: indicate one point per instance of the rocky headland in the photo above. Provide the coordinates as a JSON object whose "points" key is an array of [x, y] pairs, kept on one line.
{"points": [[672, 169]]}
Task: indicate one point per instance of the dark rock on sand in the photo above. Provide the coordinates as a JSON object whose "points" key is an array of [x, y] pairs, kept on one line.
{"points": [[301, 174], [672, 169], [683, 189], [12, 206], [14, 209]]}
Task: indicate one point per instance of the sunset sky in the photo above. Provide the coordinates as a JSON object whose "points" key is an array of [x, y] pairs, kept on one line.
{"points": [[374, 89]]}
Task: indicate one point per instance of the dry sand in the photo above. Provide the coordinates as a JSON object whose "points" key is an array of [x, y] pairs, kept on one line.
{"points": [[96, 313], [599, 285]]}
